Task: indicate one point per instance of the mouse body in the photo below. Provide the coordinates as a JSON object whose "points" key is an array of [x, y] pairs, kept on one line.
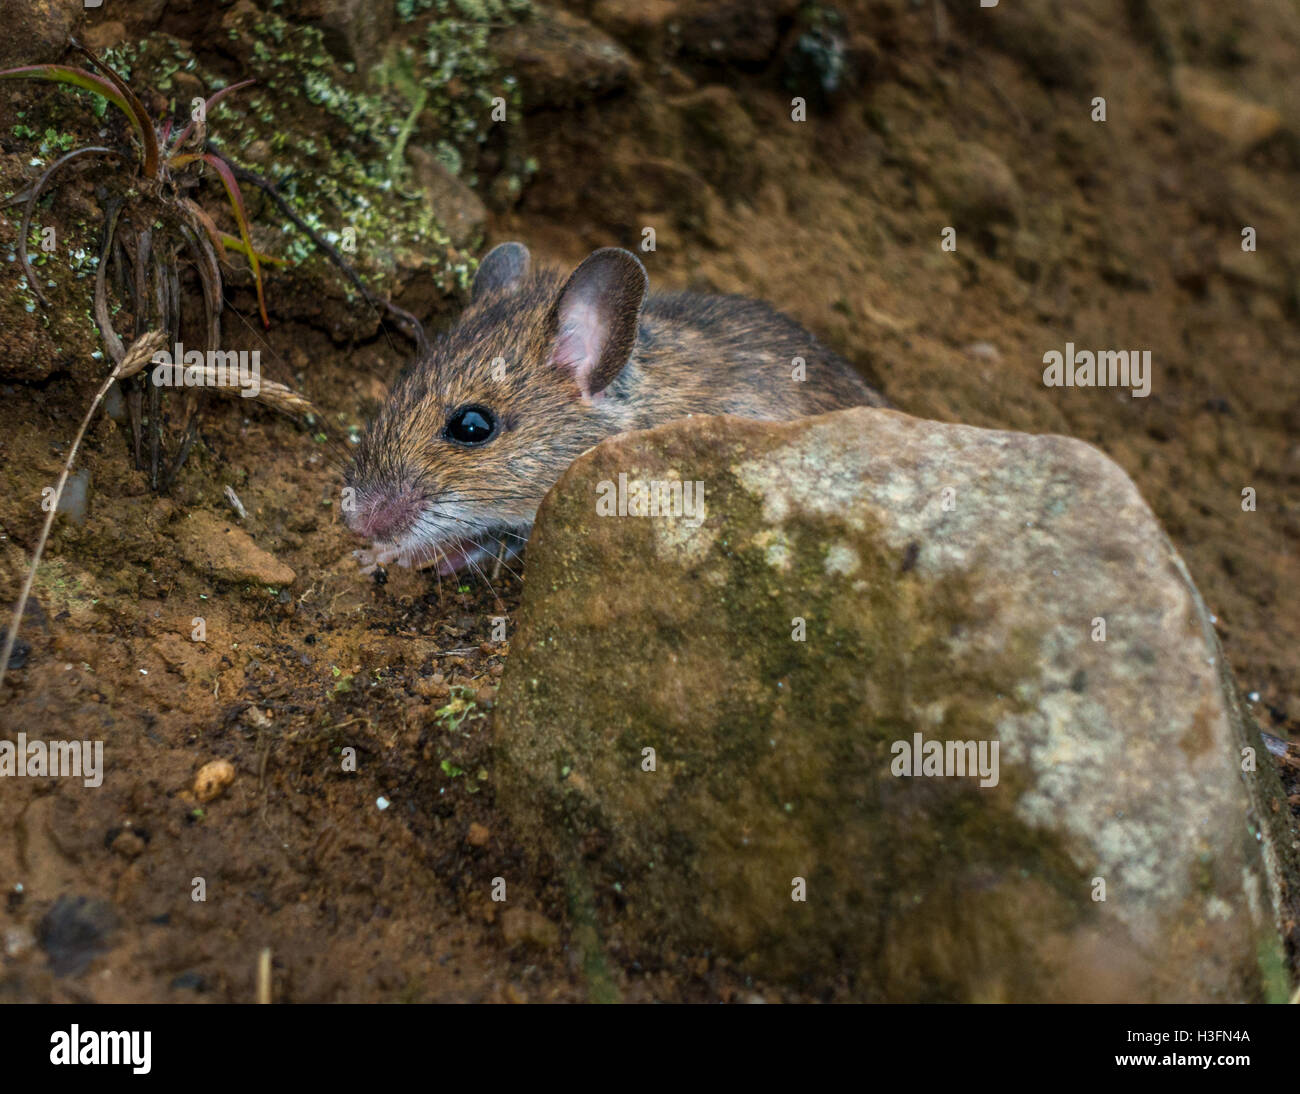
{"points": [[538, 369]]}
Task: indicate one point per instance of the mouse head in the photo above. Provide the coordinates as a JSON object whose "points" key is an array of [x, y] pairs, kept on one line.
{"points": [[534, 372]]}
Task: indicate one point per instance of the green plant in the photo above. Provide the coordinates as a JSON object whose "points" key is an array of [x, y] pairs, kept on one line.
{"points": [[151, 224], [461, 707]]}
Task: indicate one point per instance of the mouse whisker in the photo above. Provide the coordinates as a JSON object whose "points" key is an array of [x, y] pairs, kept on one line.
{"points": [[437, 570], [476, 568], [503, 552], [485, 532], [489, 531]]}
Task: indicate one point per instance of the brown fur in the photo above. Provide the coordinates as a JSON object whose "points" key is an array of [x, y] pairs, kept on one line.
{"points": [[690, 354]]}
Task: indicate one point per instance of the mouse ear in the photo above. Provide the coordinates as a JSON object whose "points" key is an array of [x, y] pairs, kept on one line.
{"points": [[501, 270], [594, 321]]}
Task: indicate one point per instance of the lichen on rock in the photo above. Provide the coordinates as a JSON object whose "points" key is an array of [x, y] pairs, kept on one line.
{"points": [[333, 142]]}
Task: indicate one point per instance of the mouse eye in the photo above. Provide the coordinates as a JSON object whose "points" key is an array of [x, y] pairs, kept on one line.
{"points": [[471, 425]]}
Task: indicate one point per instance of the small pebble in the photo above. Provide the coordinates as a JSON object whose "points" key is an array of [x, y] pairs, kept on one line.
{"points": [[213, 778], [18, 940], [522, 926], [128, 844], [75, 497], [984, 351]]}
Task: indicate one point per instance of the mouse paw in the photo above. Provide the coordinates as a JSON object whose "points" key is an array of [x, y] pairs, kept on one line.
{"points": [[379, 554]]}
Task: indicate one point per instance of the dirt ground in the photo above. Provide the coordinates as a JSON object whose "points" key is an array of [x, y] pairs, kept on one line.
{"points": [[1118, 234]]}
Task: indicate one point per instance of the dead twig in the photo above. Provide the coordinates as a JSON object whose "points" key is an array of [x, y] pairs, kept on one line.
{"points": [[135, 359]]}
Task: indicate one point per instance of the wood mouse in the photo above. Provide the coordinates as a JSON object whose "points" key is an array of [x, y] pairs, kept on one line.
{"points": [[537, 370]]}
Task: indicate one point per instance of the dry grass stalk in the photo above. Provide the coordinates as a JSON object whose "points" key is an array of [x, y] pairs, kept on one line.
{"points": [[136, 357], [139, 355]]}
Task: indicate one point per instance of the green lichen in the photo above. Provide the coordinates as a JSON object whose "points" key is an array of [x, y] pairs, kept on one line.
{"points": [[68, 321], [819, 51], [480, 11], [335, 152], [408, 10]]}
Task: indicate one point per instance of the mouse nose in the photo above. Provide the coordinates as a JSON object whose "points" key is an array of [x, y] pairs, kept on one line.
{"points": [[385, 515]]}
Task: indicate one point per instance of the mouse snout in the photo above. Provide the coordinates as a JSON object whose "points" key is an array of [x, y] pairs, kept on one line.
{"points": [[386, 515]]}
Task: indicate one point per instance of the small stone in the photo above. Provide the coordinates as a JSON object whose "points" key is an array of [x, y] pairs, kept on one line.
{"points": [[37, 31], [478, 835], [561, 60], [977, 185], [214, 546], [104, 36], [255, 718], [128, 844], [524, 927], [984, 351], [76, 497], [259, 151], [18, 940], [460, 211], [213, 778], [188, 86], [74, 932], [1238, 122], [432, 687]]}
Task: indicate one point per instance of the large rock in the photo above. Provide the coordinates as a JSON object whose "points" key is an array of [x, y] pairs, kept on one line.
{"points": [[951, 581], [36, 31]]}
